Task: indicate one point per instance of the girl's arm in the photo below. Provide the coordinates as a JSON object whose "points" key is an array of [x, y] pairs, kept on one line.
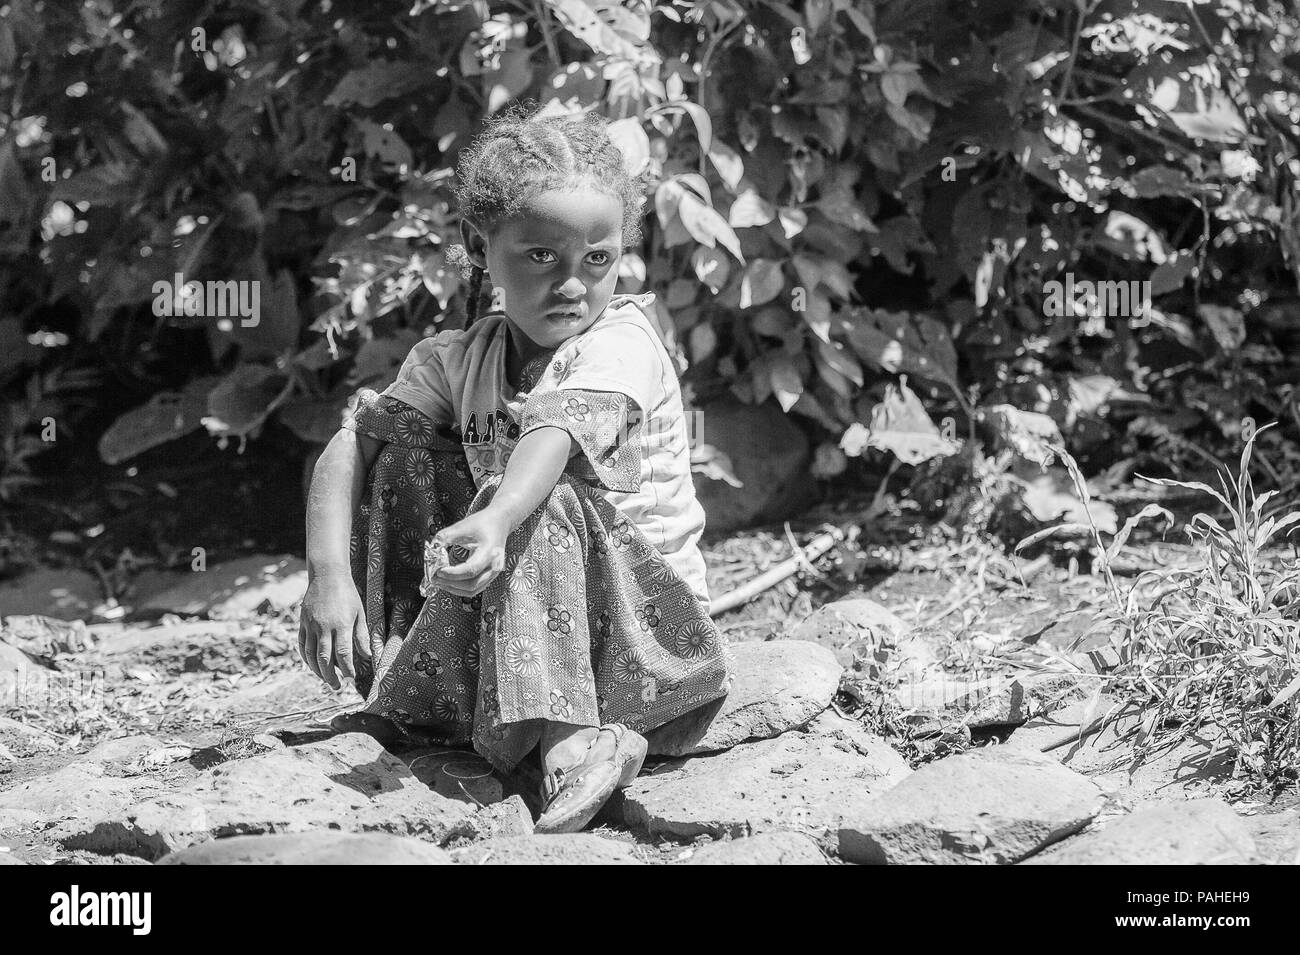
{"points": [[336, 485], [332, 622], [534, 467]]}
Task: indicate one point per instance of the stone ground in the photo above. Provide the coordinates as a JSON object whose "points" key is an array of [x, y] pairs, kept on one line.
{"points": [[193, 735]]}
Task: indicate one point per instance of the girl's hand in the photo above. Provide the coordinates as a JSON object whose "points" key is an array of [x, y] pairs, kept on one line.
{"points": [[332, 627], [484, 536]]}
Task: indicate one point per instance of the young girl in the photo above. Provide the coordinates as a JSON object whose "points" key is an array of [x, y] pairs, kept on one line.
{"points": [[546, 444]]}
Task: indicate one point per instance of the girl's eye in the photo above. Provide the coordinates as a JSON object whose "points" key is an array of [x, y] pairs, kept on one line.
{"points": [[604, 256]]}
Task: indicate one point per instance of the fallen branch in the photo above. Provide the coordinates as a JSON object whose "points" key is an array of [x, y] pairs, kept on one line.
{"points": [[815, 548]]}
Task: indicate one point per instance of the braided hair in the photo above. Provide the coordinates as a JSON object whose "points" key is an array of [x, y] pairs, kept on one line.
{"points": [[518, 156]]}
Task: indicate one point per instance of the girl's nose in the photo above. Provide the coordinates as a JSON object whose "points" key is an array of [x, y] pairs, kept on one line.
{"points": [[573, 288]]}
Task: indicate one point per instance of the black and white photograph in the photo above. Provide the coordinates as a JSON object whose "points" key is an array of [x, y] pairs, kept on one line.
{"points": [[651, 432]]}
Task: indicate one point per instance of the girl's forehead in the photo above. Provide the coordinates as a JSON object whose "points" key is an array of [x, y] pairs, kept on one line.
{"points": [[577, 213]]}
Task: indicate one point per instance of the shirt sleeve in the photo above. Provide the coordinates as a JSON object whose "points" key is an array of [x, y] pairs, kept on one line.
{"points": [[606, 427], [422, 382], [620, 358]]}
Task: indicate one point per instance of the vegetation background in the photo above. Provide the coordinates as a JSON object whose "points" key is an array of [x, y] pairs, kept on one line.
{"points": [[854, 207]]}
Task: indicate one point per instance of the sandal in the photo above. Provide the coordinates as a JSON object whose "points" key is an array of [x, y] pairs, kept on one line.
{"points": [[572, 797]]}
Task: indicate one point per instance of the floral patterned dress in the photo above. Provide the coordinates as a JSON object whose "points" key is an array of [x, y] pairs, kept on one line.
{"points": [[587, 624]]}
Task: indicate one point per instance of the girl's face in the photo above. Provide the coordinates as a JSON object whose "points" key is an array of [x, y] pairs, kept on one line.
{"points": [[560, 253]]}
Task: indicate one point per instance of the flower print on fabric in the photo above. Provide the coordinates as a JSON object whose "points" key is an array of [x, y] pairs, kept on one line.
{"points": [[603, 424], [694, 640], [523, 656]]}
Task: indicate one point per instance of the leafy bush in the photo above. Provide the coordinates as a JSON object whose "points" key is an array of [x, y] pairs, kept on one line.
{"points": [[843, 193]]}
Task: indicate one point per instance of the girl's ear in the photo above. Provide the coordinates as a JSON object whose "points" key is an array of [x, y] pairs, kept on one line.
{"points": [[474, 242]]}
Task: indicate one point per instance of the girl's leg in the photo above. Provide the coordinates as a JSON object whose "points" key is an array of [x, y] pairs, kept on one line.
{"points": [[424, 652], [587, 624]]}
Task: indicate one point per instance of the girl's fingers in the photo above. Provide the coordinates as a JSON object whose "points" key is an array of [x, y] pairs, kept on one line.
{"points": [[361, 638], [307, 647], [478, 562], [325, 659], [343, 654]]}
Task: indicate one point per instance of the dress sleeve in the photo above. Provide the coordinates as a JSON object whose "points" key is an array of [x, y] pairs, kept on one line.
{"points": [[605, 424], [621, 357], [422, 380], [393, 421]]}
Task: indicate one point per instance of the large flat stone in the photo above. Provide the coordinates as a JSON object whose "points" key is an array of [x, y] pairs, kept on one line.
{"points": [[82, 790], [988, 805], [779, 685], [576, 848], [766, 848], [455, 773], [803, 781], [1186, 832], [318, 847], [347, 782]]}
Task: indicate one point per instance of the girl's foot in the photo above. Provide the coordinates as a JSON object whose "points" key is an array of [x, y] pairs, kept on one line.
{"points": [[572, 798], [564, 746]]}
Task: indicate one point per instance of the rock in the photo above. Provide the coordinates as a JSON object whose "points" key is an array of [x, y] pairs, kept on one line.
{"points": [[804, 781], [766, 848], [455, 773], [1058, 725], [9, 859], [779, 685], [62, 593], [769, 455], [347, 782], [1276, 836], [1190, 832], [45, 636], [318, 847], [982, 806], [80, 791], [857, 627], [575, 848], [510, 817], [233, 589]]}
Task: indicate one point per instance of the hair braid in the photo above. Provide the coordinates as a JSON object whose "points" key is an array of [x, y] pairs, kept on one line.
{"points": [[475, 289]]}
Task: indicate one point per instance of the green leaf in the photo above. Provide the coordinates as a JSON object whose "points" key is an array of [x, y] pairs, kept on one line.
{"points": [[583, 19], [106, 185], [377, 81], [786, 382], [900, 425], [164, 417], [1170, 274], [906, 342], [761, 283]]}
